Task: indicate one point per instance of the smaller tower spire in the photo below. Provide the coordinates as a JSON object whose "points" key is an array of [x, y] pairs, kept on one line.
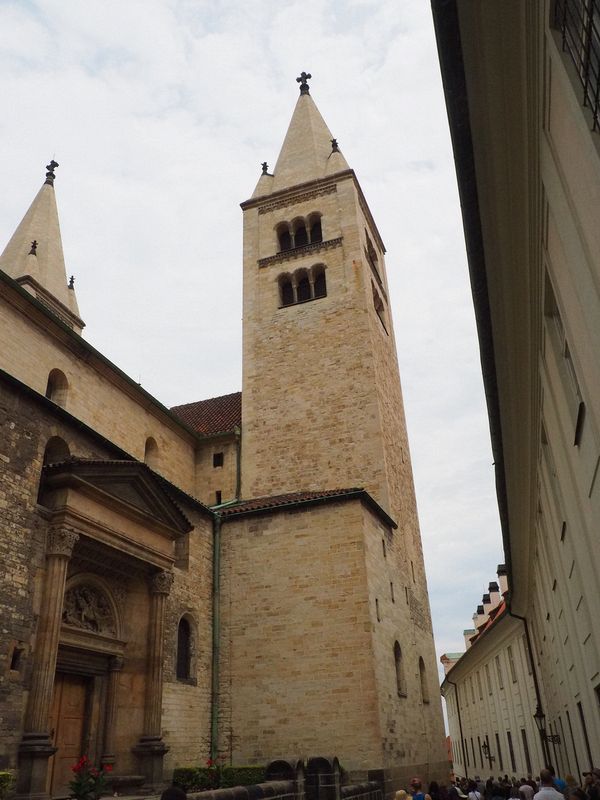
{"points": [[302, 80], [50, 172]]}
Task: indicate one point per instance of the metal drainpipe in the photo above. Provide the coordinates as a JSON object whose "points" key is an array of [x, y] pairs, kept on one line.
{"points": [[462, 738], [238, 469], [216, 598], [538, 696]]}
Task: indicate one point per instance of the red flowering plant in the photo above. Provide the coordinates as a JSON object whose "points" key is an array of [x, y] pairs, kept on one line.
{"points": [[214, 767], [89, 782]]}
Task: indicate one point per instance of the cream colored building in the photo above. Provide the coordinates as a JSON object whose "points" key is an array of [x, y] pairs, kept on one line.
{"points": [[522, 89], [490, 695], [241, 575]]}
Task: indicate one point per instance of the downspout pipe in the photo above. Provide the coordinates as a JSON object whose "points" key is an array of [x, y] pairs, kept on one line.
{"points": [[216, 637], [536, 685], [238, 466], [462, 738]]}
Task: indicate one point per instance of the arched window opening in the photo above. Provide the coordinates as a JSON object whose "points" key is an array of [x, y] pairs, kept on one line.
{"points": [[423, 679], [379, 307], [316, 233], [372, 254], [300, 236], [303, 289], [184, 650], [320, 284], [284, 237], [151, 452], [57, 387], [287, 292], [400, 680], [57, 450]]}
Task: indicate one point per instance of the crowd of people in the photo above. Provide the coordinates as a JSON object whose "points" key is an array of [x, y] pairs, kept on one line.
{"points": [[546, 786]]}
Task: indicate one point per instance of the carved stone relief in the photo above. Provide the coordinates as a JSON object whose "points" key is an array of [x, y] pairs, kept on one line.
{"points": [[87, 607]]}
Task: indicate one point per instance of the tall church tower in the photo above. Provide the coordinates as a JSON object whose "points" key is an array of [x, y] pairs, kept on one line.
{"points": [[321, 401]]}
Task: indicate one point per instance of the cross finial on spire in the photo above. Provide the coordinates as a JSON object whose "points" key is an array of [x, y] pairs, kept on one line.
{"points": [[265, 168], [334, 146], [302, 80], [71, 282], [33, 251], [50, 172]]}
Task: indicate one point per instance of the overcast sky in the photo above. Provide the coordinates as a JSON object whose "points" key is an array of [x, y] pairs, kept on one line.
{"points": [[160, 113]]}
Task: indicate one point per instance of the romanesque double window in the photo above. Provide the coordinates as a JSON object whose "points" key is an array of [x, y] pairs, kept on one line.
{"points": [[299, 232], [302, 285]]}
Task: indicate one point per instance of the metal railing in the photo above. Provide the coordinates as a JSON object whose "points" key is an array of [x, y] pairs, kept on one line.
{"points": [[578, 22]]}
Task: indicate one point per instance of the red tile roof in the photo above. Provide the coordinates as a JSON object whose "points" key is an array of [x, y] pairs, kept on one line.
{"points": [[215, 415]]}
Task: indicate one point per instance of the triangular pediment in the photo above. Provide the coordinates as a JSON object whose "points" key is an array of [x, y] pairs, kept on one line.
{"points": [[129, 482]]}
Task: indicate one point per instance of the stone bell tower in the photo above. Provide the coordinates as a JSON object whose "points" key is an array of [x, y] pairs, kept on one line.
{"points": [[322, 404]]}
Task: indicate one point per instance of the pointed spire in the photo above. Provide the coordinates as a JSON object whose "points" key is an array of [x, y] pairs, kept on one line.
{"points": [[34, 255], [307, 146]]}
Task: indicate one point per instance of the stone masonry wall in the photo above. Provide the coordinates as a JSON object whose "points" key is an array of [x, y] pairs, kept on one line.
{"points": [[297, 675]]}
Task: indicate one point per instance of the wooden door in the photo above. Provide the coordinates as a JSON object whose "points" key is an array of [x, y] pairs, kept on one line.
{"points": [[68, 723]]}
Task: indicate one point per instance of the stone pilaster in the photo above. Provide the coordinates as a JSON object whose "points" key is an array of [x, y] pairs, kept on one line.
{"points": [[110, 717], [151, 747], [36, 746]]}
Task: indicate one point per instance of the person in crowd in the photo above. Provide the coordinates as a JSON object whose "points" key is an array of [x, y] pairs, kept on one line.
{"points": [[401, 795], [473, 791], [526, 790], [416, 790], [558, 782], [434, 790], [548, 790]]}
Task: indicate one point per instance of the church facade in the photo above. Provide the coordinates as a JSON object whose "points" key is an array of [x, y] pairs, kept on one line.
{"points": [[216, 579]]}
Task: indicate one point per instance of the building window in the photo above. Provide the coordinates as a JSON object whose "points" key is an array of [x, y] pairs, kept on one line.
{"points": [[488, 678], [383, 548], [511, 664], [320, 286], [499, 750], [218, 496], [527, 656], [526, 751], [399, 663], [473, 752], [150, 452], [300, 234], [566, 366], [316, 232], [467, 753], [511, 751], [392, 592], [217, 459], [184, 650], [579, 25], [379, 307], [585, 735], [423, 681], [472, 689], [371, 254], [302, 286], [284, 237], [16, 659], [499, 673], [286, 290], [480, 752], [479, 687], [57, 387]]}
